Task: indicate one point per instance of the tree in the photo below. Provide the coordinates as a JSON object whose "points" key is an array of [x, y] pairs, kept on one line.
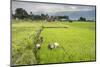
{"points": [[20, 13], [43, 16], [66, 17], [82, 19], [63, 17], [31, 16], [70, 21]]}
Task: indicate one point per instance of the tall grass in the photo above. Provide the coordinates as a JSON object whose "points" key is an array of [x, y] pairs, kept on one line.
{"points": [[23, 37]]}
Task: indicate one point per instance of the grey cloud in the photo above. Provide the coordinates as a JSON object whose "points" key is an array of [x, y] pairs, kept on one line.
{"points": [[48, 8]]}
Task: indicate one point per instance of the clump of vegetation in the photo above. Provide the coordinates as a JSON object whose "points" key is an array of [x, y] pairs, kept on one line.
{"points": [[70, 21]]}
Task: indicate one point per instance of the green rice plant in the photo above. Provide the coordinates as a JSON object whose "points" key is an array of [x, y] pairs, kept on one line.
{"points": [[27, 57], [77, 42]]}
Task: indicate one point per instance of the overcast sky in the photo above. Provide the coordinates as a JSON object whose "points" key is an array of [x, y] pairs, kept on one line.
{"points": [[38, 8], [48, 8]]}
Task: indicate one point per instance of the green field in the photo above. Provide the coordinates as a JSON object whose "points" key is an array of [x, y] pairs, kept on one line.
{"points": [[77, 42]]}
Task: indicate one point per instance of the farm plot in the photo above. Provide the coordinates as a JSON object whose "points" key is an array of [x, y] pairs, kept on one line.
{"points": [[76, 44]]}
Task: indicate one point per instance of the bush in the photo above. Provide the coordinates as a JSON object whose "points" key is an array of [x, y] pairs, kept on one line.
{"points": [[70, 21]]}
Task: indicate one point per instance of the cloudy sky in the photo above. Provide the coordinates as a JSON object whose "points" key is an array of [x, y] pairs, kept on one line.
{"points": [[55, 9]]}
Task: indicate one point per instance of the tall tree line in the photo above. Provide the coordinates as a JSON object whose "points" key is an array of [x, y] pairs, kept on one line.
{"points": [[21, 13]]}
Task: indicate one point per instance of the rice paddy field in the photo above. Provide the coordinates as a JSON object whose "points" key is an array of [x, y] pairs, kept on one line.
{"points": [[76, 42]]}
